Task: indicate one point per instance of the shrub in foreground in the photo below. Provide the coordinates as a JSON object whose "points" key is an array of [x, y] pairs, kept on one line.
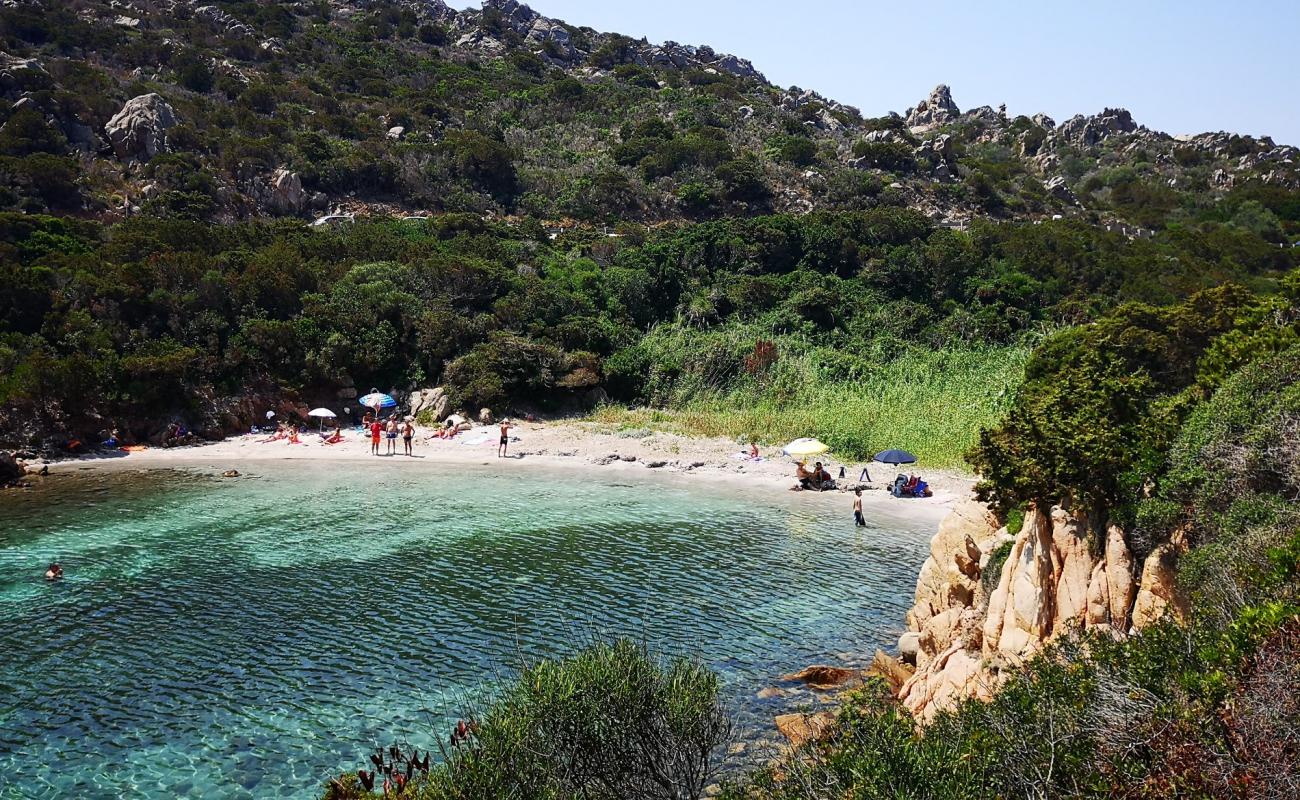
{"points": [[612, 721]]}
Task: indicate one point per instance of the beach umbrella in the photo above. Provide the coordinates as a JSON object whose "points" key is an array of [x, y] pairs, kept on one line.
{"points": [[895, 457], [378, 401], [802, 448], [323, 413]]}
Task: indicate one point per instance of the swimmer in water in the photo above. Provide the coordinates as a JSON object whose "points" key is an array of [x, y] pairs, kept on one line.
{"points": [[55, 572]]}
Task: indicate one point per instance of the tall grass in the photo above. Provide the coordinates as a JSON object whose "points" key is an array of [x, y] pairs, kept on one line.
{"points": [[931, 402]]}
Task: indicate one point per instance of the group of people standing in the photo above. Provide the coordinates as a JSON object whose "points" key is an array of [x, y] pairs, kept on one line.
{"points": [[389, 431]]}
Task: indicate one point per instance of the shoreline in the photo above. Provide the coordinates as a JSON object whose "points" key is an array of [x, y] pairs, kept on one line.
{"points": [[571, 446]]}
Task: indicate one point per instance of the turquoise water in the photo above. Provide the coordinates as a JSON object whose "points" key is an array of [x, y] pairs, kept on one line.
{"points": [[252, 637]]}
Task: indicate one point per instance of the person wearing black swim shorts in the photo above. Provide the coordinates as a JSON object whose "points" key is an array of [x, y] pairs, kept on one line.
{"points": [[504, 445]]}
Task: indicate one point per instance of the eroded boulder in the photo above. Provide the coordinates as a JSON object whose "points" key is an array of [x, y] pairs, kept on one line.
{"points": [[286, 191], [139, 130]]}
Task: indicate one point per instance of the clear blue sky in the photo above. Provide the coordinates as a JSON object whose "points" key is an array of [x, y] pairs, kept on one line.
{"points": [[1181, 67]]}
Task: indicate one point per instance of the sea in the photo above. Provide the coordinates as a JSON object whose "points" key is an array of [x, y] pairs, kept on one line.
{"points": [[251, 637]]}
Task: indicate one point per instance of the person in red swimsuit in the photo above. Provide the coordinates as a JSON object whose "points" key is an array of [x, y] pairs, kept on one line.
{"points": [[376, 428]]}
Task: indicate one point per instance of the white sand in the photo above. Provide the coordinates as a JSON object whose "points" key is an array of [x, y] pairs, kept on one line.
{"points": [[549, 445]]}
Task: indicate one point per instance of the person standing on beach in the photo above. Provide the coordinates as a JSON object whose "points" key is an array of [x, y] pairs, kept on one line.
{"points": [[504, 444], [857, 509], [392, 435], [408, 433], [375, 429]]}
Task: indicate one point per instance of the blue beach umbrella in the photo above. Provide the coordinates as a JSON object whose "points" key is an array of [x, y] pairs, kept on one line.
{"points": [[378, 401], [895, 457]]}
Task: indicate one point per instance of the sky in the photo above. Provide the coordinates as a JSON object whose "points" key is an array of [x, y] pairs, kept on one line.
{"points": [[1180, 67]]}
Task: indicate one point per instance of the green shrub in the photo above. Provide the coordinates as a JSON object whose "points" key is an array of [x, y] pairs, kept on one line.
{"points": [[895, 156], [612, 721]]}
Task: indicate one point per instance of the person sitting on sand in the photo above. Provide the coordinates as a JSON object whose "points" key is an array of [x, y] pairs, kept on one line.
{"points": [[367, 420], [335, 437], [55, 572], [816, 480], [408, 433], [504, 444], [753, 451], [805, 476], [293, 436]]}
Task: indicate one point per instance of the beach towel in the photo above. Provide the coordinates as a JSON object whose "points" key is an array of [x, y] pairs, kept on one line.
{"points": [[475, 439], [748, 457]]}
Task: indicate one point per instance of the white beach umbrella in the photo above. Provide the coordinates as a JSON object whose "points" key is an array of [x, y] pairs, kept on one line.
{"points": [[323, 413]]}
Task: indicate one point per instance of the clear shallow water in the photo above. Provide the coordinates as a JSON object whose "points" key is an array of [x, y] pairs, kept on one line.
{"points": [[252, 637]]}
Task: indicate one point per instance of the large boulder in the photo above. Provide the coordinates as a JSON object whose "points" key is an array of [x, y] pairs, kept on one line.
{"points": [[801, 729], [139, 130], [11, 469], [432, 400], [286, 192]]}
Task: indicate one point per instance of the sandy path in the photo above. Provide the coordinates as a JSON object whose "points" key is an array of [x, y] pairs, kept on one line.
{"points": [[554, 445]]}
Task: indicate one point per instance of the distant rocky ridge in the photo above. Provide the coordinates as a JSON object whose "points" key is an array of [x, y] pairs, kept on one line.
{"points": [[943, 173]]}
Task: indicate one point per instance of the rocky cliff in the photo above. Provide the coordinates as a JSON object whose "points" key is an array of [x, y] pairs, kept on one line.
{"points": [[974, 618]]}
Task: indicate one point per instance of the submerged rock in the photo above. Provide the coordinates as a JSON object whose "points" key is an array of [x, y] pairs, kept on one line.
{"points": [[823, 677]]}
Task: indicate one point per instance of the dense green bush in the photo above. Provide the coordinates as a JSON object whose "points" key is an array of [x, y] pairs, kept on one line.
{"points": [[611, 721]]}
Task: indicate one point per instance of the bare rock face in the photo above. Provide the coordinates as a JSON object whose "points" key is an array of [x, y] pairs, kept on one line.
{"points": [[1022, 608], [1157, 593], [937, 109], [1073, 568], [1060, 189], [139, 130], [951, 677], [286, 192], [1088, 131], [1119, 578], [953, 564]]}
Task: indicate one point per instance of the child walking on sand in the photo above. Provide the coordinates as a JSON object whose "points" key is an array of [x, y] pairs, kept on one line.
{"points": [[857, 509]]}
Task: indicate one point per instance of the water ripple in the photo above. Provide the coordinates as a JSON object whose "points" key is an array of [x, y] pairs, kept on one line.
{"points": [[250, 638]]}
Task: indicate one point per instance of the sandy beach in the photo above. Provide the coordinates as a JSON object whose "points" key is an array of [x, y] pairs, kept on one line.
{"points": [[565, 445]]}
